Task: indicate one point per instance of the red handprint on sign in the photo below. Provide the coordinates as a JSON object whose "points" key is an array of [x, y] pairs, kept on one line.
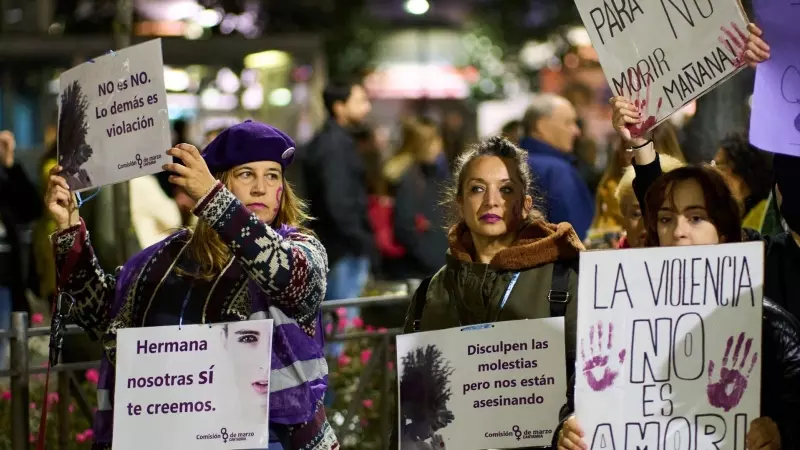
{"points": [[643, 105], [736, 43]]}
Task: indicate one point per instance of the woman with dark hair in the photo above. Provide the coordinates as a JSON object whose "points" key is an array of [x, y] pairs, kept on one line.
{"points": [[749, 173], [695, 206], [504, 261]]}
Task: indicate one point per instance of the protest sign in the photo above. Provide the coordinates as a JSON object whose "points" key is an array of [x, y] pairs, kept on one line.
{"points": [[670, 340], [662, 54], [196, 386], [775, 117], [497, 385], [112, 118]]}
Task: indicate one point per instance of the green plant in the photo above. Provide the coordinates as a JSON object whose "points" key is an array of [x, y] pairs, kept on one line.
{"points": [[364, 430]]}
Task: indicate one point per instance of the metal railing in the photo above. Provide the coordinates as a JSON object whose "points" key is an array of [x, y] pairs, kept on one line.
{"points": [[20, 371]]}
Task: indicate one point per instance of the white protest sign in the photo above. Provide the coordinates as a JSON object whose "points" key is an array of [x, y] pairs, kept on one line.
{"points": [[498, 385], [669, 339], [198, 386], [662, 54], [113, 124]]}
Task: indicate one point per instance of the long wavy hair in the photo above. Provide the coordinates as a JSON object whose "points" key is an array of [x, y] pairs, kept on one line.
{"points": [[211, 254]]}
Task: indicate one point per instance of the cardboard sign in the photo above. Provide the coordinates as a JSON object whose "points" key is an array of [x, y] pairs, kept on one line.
{"points": [[669, 339], [497, 385], [196, 386], [662, 54], [113, 123]]}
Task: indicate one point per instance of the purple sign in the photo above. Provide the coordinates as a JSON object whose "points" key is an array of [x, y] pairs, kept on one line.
{"points": [[775, 116]]}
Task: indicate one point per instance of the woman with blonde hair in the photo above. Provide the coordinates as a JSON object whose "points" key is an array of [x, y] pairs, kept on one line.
{"points": [[609, 216], [250, 257]]}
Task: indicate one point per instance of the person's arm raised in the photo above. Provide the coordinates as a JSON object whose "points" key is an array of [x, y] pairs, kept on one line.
{"points": [[291, 270], [78, 272], [757, 50]]}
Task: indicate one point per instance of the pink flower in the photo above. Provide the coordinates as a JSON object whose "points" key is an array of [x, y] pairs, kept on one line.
{"points": [[71, 408], [341, 312], [367, 403], [6, 395], [92, 376], [390, 365], [344, 360], [329, 328], [80, 438], [32, 405], [37, 318], [52, 398], [88, 434], [366, 354], [369, 329], [382, 330], [358, 323], [342, 324], [32, 438]]}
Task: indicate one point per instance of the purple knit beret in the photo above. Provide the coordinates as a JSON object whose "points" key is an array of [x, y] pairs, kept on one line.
{"points": [[247, 142]]}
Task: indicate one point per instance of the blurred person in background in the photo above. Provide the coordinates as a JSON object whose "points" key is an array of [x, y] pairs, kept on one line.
{"points": [[585, 149], [749, 173], [416, 179], [633, 225], [611, 216], [551, 128], [336, 187], [512, 131], [20, 204]]}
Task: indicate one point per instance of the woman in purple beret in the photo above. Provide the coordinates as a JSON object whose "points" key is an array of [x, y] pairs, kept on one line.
{"points": [[250, 257]]}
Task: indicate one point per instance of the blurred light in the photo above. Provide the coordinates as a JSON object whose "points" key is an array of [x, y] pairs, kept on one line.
{"points": [[536, 54], [176, 80], [572, 61], [417, 7], [181, 10], [208, 18], [487, 86], [246, 23], [55, 28], [249, 77], [228, 24], [579, 37], [280, 97], [269, 59], [53, 86], [253, 97], [193, 31], [212, 99], [165, 28], [227, 81]]}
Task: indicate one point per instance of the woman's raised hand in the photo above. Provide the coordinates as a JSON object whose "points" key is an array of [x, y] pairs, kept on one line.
{"points": [[60, 201], [626, 113], [571, 436], [757, 50], [194, 175]]}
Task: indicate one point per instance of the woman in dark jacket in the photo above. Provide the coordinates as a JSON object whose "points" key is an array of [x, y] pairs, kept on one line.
{"points": [[695, 206], [504, 262]]}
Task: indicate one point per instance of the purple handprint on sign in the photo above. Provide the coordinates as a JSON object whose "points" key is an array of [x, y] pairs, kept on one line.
{"points": [[599, 374], [728, 391]]}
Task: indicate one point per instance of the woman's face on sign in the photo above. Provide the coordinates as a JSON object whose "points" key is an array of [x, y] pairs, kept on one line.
{"points": [[248, 347], [259, 185]]}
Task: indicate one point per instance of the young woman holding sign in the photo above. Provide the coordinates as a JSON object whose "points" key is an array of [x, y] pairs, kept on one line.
{"points": [[695, 206], [249, 257], [504, 261]]}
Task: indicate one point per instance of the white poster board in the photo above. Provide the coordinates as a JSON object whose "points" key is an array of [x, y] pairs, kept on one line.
{"points": [[662, 54], [197, 386], [113, 123], [670, 340], [498, 385]]}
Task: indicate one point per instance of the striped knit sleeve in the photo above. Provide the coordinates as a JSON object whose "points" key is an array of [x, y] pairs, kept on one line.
{"points": [[80, 276], [291, 271]]}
